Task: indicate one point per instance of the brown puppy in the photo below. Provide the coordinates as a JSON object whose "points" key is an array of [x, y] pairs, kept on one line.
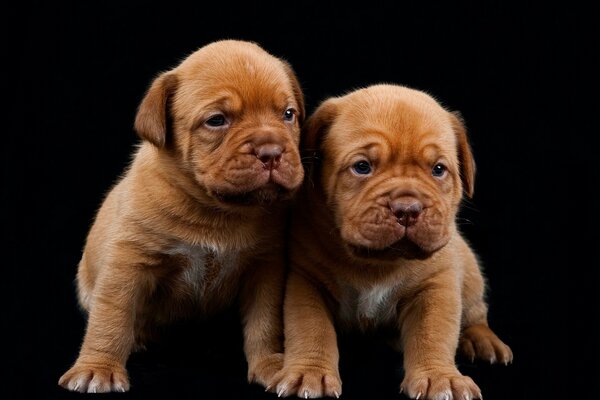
{"points": [[374, 244], [197, 217]]}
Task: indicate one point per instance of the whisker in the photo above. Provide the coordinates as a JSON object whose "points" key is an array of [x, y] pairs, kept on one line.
{"points": [[468, 204]]}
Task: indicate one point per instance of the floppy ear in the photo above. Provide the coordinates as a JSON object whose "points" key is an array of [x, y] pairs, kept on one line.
{"points": [[313, 132], [465, 155], [317, 124], [298, 94], [152, 116]]}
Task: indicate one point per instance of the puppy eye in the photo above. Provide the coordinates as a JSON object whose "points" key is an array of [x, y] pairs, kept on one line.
{"points": [[216, 121], [362, 167], [438, 170], [289, 114]]}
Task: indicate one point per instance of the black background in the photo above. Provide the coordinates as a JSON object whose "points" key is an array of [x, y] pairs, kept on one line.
{"points": [[74, 75]]}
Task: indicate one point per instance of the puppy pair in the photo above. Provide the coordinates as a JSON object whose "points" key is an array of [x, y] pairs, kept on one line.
{"points": [[197, 220], [374, 245], [198, 216]]}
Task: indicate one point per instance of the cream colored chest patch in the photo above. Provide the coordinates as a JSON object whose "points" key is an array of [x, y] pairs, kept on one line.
{"points": [[206, 267], [375, 304]]}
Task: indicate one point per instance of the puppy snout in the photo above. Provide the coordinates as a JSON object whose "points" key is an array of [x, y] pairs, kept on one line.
{"points": [[407, 210], [269, 154]]}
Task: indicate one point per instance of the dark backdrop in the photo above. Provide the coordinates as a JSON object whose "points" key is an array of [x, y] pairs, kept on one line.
{"points": [[75, 74]]}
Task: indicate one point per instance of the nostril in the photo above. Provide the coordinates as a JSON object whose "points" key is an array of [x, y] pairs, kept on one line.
{"points": [[269, 154], [407, 211]]}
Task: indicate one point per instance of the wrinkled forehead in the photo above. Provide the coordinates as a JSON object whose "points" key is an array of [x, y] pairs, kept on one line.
{"points": [[403, 124], [252, 78]]}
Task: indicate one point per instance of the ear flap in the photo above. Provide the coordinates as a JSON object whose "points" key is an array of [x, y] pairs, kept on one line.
{"points": [[317, 124], [152, 116], [298, 94], [465, 155], [313, 132]]}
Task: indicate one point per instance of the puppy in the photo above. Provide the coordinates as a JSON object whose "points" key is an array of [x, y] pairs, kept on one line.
{"points": [[198, 216], [375, 245]]}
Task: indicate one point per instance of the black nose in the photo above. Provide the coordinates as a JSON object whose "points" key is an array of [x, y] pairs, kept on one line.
{"points": [[269, 155], [406, 210]]}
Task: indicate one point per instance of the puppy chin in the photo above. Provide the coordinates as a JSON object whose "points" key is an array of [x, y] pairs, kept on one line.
{"points": [[256, 187], [401, 249], [404, 249], [268, 194]]}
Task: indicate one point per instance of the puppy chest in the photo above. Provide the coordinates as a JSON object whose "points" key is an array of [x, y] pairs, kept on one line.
{"points": [[371, 306], [202, 269]]}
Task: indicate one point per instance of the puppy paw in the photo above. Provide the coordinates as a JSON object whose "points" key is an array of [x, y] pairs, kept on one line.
{"points": [[308, 382], [262, 370], [478, 341], [87, 378], [436, 384]]}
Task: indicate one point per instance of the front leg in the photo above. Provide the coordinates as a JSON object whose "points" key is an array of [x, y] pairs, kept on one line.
{"points": [[311, 354], [477, 340], [261, 306], [109, 335], [430, 324]]}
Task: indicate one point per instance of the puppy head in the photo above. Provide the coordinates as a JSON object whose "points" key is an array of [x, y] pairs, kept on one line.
{"points": [[230, 116], [393, 167]]}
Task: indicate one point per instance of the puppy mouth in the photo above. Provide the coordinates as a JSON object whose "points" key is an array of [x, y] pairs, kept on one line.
{"points": [[268, 194], [258, 183], [403, 248]]}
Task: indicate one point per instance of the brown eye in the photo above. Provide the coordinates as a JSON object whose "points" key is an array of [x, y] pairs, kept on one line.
{"points": [[362, 167], [216, 121], [438, 170], [289, 115]]}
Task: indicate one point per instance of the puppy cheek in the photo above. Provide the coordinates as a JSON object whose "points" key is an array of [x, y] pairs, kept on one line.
{"points": [[361, 227], [370, 235], [291, 170], [434, 230], [342, 199], [431, 240], [451, 189], [241, 174], [344, 193], [207, 168]]}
